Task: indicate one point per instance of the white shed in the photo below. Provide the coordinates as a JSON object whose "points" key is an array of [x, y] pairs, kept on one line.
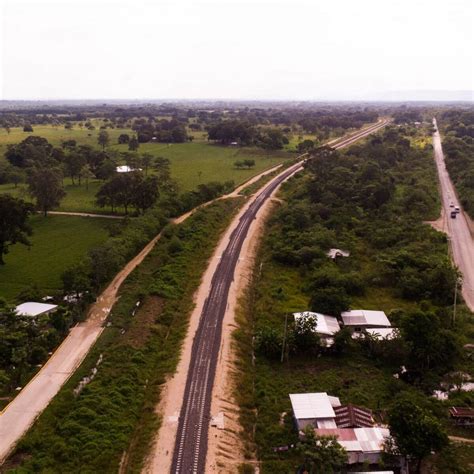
{"points": [[34, 309]]}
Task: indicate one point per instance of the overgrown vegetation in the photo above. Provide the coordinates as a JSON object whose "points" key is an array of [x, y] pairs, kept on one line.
{"points": [[372, 201], [458, 148], [91, 431]]}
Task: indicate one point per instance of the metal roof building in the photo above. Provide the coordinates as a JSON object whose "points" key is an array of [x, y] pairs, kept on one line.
{"points": [[362, 444], [315, 409], [34, 309], [364, 318], [325, 325]]}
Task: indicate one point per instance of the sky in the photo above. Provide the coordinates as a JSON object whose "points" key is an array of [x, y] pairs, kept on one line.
{"points": [[235, 49]]}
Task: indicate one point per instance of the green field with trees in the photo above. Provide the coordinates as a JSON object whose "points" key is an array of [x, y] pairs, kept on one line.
{"points": [[57, 242], [371, 200]]}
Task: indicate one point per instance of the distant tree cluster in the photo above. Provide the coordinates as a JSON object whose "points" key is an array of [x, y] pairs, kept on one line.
{"points": [[163, 131]]}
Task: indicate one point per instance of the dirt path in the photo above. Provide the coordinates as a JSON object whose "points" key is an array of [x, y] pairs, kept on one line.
{"points": [[83, 214], [458, 439]]}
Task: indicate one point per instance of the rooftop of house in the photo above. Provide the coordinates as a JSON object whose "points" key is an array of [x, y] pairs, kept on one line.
{"points": [[366, 440], [32, 308], [462, 412], [313, 405], [364, 317], [327, 325], [353, 416]]}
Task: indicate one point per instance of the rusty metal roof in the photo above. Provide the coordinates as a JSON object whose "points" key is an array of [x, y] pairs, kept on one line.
{"points": [[352, 416]]}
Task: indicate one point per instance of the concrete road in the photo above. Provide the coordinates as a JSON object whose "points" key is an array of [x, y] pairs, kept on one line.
{"points": [[462, 245], [189, 455]]}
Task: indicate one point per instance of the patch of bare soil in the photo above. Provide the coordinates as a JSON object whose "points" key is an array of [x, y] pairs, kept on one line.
{"points": [[439, 224], [140, 329]]}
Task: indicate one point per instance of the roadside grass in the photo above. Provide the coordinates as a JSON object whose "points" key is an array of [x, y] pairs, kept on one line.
{"points": [[57, 242], [116, 411]]}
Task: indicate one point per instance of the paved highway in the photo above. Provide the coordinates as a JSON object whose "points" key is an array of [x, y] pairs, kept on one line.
{"points": [[462, 245], [189, 454]]}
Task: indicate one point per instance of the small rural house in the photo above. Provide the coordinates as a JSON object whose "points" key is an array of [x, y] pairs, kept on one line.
{"points": [[326, 326], [335, 253], [34, 310], [363, 445], [359, 320], [316, 409], [462, 416], [126, 169], [353, 426]]}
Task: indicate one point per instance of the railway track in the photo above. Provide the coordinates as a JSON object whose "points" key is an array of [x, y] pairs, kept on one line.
{"points": [[190, 450]]}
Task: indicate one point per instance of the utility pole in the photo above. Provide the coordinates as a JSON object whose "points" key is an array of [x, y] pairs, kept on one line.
{"points": [[455, 301], [284, 338]]}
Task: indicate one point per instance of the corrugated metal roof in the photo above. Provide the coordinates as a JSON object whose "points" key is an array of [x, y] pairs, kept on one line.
{"points": [[325, 325], [311, 405], [364, 317], [462, 412], [366, 440], [352, 416]]}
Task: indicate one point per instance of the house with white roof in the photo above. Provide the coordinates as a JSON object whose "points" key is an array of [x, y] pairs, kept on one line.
{"points": [[316, 409], [126, 169], [359, 320], [353, 426], [326, 326], [33, 309]]}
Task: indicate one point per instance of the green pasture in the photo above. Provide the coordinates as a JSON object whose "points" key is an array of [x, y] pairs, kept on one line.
{"points": [[192, 163], [57, 242]]}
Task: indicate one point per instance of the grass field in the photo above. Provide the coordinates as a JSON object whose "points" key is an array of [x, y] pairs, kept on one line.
{"points": [[192, 163], [57, 242]]}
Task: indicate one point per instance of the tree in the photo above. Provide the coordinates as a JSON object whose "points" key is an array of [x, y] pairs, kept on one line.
{"points": [[27, 128], [133, 144], [123, 139], [238, 164], [76, 279], [103, 139], [32, 150], [268, 342], [330, 300], [430, 346], [321, 454], [249, 163], [45, 185], [86, 174], [14, 225], [305, 337], [106, 170], [305, 146], [147, 160], [415, 430], [145, 193], [73, 165]]}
